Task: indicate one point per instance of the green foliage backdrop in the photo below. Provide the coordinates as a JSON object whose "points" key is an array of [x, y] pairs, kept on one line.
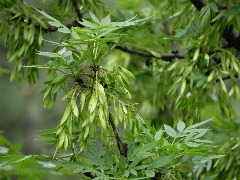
{"points": [[154, 71]]}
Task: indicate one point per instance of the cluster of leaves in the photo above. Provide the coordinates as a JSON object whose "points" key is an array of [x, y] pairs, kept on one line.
{"points": [[96, 92], [155, 153], [226, 167], [206, 64], [23, 36]]}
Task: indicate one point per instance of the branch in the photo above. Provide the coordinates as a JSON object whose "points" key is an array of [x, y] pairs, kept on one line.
{"points": [[90, 175], [122, 147], [77, 9], [198, 4], [227, 78], [165, 57], [54, 29], [232, 39]]}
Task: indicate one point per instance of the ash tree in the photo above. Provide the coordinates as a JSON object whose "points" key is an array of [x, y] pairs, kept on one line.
{"points": [[154, 87]]}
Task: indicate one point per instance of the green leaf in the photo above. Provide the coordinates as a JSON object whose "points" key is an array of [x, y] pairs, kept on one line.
{"points": [[133, 171], [212, 177], [200, 83], [224, 88], [78, 170], [62, 51], [17, 160], [48, 54], [69, 93], [196, 54], [181, 126], [197, 76], [127, 73], [40, 37], [208, 158], [141, 167], [66, 114], [183, 86], [192, 144], [189, 136], [170, 131], [124, 109], [94, 18], [47, 16], [202, 133], [138, 159], [162, 161], [86, 132], [199, 163], [185, 158], [126, 174], [67, 53], [233, 11], [60, 79], [158, 135], [213, 6], [149, 173], [54, 23], [82, 100], [197, 125], [74, 108], [106, 21], [102, 93], [102, 119], [211, 76], [64, 30], [93, 102], [88, 24], [147, 147], [180, 33]]}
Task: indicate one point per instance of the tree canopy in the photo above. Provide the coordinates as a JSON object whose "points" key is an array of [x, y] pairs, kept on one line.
{"points": [[151, 88]]}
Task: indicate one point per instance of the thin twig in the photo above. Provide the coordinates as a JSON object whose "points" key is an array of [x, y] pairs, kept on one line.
{"points": [[77, 9], [227, 78], [54, 29], [165, 57], [121, 145]]}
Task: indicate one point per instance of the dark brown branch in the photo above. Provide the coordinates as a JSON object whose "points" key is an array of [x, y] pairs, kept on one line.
{"points": [[227, 78], [77, 9], [165, 57], [135, 51], [90, 175], [54, 29], [122, 147], [198, 4], [232, 38], [170, 57]]}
